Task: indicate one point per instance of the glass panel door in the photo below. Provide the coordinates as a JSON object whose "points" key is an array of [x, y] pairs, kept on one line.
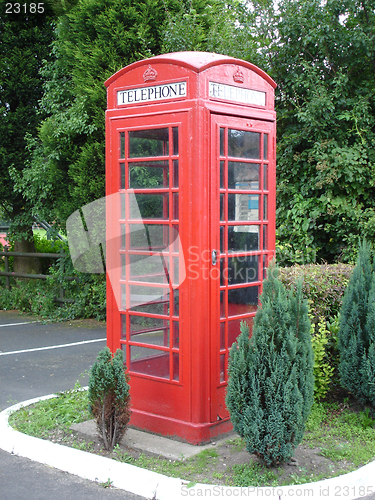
{"points": [[148, 162], [239, 229]]}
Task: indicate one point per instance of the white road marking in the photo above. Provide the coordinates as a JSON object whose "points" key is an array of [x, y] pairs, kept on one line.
{"points": [[52, 347], [17, 324]]}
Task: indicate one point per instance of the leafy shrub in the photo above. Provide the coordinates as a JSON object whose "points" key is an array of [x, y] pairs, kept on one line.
{"points": [[271, 382], [323, 286], [323, 371], [109, 396], [357, 329]]}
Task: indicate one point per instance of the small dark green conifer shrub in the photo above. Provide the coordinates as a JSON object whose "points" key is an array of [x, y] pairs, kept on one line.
{"points": [[356, 333], [271, 382], [109, 396]]}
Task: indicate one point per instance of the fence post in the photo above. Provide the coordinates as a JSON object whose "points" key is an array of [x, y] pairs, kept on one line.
{"points": [[6, 262], [62, 291]]}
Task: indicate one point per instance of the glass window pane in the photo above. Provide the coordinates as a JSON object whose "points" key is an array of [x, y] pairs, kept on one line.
{"points": [[176, 334], [222, 240], [234, 329], [123, 297], [242, 300], [265, 237], [222, 136], [176, 308], [153, 300], [243, 238], [149, 268], [243, 207], [222, 174], [222, 207], [243, 175], [175, 173], [176, 271], [175, 140], [144, 332], [175, 206], [149, 175], [122, 144], [176, 366], [243, 269], [122, 202], [222, 303], [152, 237], [122, 175], [265, 177], [123, 236], [222, 335], [123, 326], [242, 144], [265, 146], [154, 142], [149, 206], [265, 207], [149, 361], [222, 367]]}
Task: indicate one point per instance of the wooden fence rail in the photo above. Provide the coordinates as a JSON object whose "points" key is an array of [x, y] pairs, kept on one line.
{"points": [[6, 254]]}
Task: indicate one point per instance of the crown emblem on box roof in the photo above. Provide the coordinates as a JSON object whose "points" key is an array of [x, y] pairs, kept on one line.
{"points": [[238, 76], [150, 74]]}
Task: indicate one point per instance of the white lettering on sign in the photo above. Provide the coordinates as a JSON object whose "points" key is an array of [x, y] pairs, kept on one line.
{"points": [[237, 94], [155, 93]]}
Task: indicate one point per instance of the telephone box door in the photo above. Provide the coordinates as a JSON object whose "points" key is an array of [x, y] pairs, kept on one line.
{"points": [[242, 225]]}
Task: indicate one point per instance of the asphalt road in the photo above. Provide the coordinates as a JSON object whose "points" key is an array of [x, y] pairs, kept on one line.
{"points": [[38, 359]]}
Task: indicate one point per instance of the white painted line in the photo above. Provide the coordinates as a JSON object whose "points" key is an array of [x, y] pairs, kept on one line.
{"points": [[151, 484], [52, 347], [17, 324]]}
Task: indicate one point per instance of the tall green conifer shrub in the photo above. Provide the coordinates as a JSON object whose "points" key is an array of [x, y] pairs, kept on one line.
{"points": [[357, 329], [271, 382], [109, 396]]}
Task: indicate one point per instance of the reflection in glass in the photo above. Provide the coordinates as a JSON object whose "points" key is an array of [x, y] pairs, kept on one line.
{"points": [[234, 329], [222, 303], [222, 335], [222, 228], [242, 144], [265, 237], [122, 175], [149, 268], [176, 308], [149, 236], [123, 236], [222, 131], [149, 206], [149, 175], [242, 300], [243, 175], [175, 215], [122, 203], [147, 335], [153, 300], [265, 146], [175, 173], [222, 207], [243, 238], [243, 269], [122, 144], [222, 367], [222, 174], [149, 361], [265, 207], [123, 326], [175, 140], [265, 178], [176, 366], [176, 334], [153, 142], [243, 207]]}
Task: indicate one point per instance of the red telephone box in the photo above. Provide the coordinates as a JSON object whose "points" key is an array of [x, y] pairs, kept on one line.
{"points": [[190, 165]]}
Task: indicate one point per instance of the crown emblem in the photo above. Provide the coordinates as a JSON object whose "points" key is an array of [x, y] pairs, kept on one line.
{"points": [[238, 76], [150, 74]]}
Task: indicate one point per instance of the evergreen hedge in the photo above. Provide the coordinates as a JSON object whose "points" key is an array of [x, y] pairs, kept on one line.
{"points": [[271, 382]]}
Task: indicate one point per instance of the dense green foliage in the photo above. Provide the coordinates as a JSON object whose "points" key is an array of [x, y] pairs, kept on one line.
{"points": [[271, 382], [357, 329], [322, 285], [94, 39], [109, 396]]}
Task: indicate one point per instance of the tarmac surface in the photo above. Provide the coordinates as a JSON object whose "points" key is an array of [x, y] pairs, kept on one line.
{"points": [[28, 370], [38, 359]]}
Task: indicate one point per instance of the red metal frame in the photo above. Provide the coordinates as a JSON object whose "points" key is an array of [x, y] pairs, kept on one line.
{"points": [[208, 98]]}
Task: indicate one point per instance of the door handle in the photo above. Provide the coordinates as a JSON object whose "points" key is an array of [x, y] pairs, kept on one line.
{"points": [[214, 257]]}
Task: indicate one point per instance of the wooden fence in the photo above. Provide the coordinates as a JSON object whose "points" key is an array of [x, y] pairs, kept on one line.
{"points": [[6, 254]]}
